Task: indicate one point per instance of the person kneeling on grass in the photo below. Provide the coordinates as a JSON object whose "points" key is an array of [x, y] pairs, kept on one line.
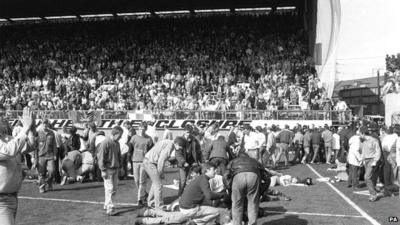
{"points": [[70, 164], [76, 165], [191, 203]]}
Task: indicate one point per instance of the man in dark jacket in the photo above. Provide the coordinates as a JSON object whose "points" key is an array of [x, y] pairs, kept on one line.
{"points": [[188, 157], [245, 175], [285, 138], [218, 153]]}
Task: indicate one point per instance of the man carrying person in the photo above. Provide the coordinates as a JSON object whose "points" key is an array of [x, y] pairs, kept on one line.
{"points": [[109, 160], [141, 143], [191, 203]]}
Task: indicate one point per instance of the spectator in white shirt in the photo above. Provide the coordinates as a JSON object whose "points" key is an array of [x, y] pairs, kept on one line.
{"points": [[250, 142], [388, 146], [335, 143], [354, 159], [260, 136], [341, 106]]}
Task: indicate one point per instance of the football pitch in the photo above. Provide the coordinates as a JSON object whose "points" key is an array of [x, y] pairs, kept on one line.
{"points": [[320, 203]]}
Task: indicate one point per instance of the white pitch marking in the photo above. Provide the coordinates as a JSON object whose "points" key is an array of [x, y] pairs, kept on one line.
{"points": [[75, 201], [351, 203], [313, 214], [366, 192]]}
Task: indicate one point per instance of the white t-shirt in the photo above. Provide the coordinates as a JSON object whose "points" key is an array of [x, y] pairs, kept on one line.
{"points": [[335, 141], [217, 183], [251, 141]]}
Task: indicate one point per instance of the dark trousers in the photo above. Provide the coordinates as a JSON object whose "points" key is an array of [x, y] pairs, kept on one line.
{"points": [[354, 175], [124, 161], [46, 170], [298, 153], [183, 175], [221, 163], [370, 176]]}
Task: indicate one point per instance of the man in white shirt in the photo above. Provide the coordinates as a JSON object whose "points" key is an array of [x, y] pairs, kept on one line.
{"points": [[260, 136], [355, 161], [250, 142], [389, 145], [341, 106]]}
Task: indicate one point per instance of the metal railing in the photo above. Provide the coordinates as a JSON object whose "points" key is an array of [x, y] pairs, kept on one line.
{"points": [[200, 114]]}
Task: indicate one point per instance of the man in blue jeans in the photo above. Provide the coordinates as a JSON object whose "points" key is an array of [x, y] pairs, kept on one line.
{"points": [[245, 174]]}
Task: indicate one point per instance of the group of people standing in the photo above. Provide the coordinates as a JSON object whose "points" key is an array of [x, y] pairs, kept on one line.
{"points": [[214, 170]]}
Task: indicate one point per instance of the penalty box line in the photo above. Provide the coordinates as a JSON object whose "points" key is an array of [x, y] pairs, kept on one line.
{"points": [[131, 204], [350, 202]]}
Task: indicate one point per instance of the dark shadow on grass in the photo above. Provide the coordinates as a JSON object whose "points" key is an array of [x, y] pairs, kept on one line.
{"points": [[287, 220], [275, 211], [124, 209], [72, 188]]}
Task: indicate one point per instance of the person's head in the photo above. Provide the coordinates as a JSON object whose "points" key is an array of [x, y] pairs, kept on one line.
{"points": [[187, 131], [179, 143], [92, 126], [363, 131], [127, 124], [142, 128], [73, 130], [116, 133], [221, 138], [247, 129], [259, 129], [46, 124], [195, 171], [396, 129], [209, 169]]}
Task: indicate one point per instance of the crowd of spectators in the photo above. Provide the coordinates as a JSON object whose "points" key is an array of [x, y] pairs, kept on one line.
{"points": [[224, 62]]}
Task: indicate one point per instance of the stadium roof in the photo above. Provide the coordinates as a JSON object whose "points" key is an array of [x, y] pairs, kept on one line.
{"points": [[45, 8]]}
